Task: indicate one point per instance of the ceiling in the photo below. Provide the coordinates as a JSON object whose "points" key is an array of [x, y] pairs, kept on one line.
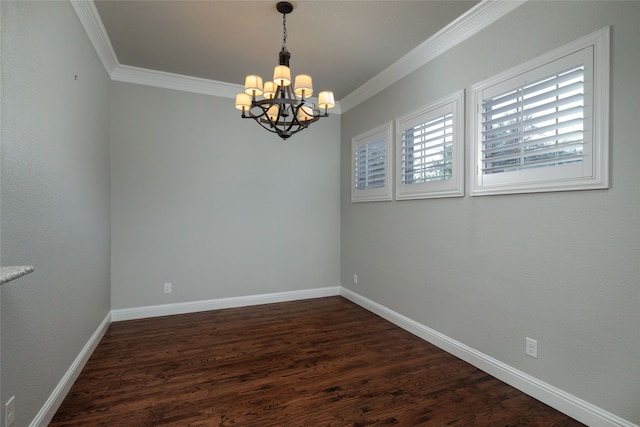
{"points": [[341, 44]]}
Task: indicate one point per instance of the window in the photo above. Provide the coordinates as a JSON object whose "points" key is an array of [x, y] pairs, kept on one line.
{"points": [[370, 175], [430, 150], [544, 125]]}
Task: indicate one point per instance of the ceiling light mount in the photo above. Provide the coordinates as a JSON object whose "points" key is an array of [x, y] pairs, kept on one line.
{"points": [[283, 109], [284, 7]]}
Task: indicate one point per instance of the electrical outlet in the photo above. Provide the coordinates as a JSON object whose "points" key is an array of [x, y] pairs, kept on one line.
{"points": [[355, 279], [532, 348], [10, 412], [167, 288]]}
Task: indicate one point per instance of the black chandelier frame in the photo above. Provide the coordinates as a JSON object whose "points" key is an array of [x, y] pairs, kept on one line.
{"points": [[294, 114]]}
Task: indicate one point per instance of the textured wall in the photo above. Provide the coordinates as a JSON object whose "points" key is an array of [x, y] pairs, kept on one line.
{"points": [[562, 268], [55, 197], [214, 204]]}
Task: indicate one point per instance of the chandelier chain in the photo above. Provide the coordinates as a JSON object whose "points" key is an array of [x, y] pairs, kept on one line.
{"points": [[284, 31]]}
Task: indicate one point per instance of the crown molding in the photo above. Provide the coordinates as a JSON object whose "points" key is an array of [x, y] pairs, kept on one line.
{"points": [[473, 21], [144, 76], [92, 23]]}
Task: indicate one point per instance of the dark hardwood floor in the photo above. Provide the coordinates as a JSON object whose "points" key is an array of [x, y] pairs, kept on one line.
{"points": [[320, 362]]}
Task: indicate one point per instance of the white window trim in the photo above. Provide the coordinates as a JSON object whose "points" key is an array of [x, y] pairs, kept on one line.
{"points": [[453, 187], [599, 154], [373, 194]]}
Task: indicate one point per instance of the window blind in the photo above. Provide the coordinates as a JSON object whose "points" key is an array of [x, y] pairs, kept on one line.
{"points": [[539, 124], [370, 165], [427, 151]]}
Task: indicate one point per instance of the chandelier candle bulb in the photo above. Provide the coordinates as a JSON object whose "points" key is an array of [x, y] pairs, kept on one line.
{"points": [[270, 90], [282, 75], [283, 109], [305, 113], [243, 102], [303, 85], [325, 100], [273, 113], [253, 85]]}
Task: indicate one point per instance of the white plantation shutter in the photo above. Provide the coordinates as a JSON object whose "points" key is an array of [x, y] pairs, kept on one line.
{"points": [[427, 151], [543, 126], [370, 165], [536, 125], [430, 150], [370, 162]]}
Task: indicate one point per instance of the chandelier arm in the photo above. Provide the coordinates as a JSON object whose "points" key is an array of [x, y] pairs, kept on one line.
{"points": [[263, 118], [264, 104], [282, 127], [249, 114], [268, 127]]}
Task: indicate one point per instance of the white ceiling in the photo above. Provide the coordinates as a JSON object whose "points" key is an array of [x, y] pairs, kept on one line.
{"points": [[341, 44]]}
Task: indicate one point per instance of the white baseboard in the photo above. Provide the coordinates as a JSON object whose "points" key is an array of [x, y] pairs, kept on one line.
{"points": [[221, 303], [564, 402], [48, 410]]}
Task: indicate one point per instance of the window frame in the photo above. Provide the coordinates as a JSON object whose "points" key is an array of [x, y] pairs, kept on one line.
{"points": [[453, 187], [593, 172], [383, 193]]}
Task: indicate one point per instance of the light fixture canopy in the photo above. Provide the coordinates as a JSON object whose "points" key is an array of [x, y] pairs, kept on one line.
{"points": [[283, 109]]}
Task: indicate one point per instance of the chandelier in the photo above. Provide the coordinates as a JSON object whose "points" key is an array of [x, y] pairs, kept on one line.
{"points": [[283, 109]]}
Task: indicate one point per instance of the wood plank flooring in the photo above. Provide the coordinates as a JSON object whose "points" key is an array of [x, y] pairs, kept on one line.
{"points": [[319, 362]]}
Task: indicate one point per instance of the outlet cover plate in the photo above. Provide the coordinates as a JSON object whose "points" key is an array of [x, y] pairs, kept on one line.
{"points": [[10, 412], [532, 348]]}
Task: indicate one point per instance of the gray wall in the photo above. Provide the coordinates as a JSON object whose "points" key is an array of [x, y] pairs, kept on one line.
{"points": [[220, 208], [562, 268], [214, 204], [55, 197]]}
